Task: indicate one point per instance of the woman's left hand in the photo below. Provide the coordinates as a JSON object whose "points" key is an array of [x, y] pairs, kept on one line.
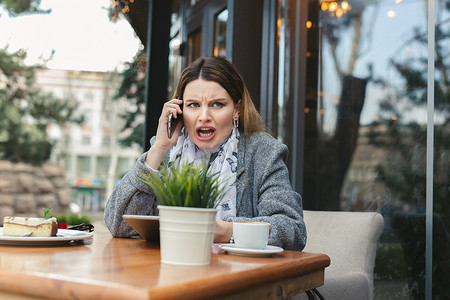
{"points": [[223, 232]]}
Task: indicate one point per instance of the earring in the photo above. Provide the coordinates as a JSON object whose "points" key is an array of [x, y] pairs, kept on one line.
{"points": [[236, 122]]}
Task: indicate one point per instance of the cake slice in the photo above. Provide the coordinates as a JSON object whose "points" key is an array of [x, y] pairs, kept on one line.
{"points": [[38, 227]]}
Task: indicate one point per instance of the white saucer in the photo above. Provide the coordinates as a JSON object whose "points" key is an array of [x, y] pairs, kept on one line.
{"points": [[234, 250]]}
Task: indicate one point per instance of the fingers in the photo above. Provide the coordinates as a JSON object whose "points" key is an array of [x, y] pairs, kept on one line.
{"points": [[173, 107], [223, 231]]}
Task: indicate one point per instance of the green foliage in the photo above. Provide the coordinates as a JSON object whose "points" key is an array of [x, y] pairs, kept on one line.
{"points": [[133, 89], [25, 110], [186, 185], [19, 7], [62, 219], [48, 213], [404, 170], [73, 219]]}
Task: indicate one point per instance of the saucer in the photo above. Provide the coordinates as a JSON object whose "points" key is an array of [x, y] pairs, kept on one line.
{"points": [[266, 252]]}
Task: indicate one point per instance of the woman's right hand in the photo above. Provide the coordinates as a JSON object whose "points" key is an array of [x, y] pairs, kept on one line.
{"points": [[163, 144]]}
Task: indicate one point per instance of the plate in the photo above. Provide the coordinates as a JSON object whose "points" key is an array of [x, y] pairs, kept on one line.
{"points": [[64, 236], [146, 226], [235, 250]]}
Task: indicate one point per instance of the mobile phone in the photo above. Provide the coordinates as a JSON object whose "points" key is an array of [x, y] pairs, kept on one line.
{"points": [[172, 124]]}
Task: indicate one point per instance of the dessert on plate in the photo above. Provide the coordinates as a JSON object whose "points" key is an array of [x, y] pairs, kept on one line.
{"points": [[23, 226]]}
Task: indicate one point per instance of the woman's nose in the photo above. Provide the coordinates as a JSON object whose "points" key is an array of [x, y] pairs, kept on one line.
{"points": [[205, 114]]}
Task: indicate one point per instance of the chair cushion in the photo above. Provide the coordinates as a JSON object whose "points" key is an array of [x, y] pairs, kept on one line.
{"points": [[347, 286], [351, 286], [350, 240]]}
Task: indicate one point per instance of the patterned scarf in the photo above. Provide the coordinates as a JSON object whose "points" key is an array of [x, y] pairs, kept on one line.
{"points": [[222, 160]]}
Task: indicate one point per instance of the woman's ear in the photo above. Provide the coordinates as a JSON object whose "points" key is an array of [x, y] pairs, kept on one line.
{"points": [[237, 109]]}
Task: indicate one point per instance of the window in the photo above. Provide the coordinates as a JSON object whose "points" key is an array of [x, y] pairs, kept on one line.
{"points": [[194, 46], [86, 140], [220, 34], [84, 166]]}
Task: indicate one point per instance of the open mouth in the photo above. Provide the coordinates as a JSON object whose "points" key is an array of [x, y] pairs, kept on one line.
{"points": [[205, 132]]}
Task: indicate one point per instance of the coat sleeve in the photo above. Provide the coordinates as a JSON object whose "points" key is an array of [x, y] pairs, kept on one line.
{"points": [[130, 196], [269, 196]]}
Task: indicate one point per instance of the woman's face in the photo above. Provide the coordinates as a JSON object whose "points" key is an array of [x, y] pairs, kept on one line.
{"points": [[208, 112]]}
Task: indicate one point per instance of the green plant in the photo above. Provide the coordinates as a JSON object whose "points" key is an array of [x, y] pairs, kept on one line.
{"points": [[62, 219], [186, 185], [48, 213], [75, 219]]}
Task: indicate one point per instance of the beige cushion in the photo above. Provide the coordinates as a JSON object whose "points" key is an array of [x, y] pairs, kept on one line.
{"points": [[350, 240]]}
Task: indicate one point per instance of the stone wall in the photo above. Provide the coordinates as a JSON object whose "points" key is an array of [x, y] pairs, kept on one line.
{"points": [[25, 189]]}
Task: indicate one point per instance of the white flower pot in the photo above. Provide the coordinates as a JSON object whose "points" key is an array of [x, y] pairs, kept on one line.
{"points": [[186, 235]]}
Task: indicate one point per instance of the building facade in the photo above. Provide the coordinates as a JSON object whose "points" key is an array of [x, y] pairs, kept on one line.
{"points": [[89, 152], [359, 92]]}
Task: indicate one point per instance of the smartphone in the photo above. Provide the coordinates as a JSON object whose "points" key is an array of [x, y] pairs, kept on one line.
{"points": [[172, 125]]}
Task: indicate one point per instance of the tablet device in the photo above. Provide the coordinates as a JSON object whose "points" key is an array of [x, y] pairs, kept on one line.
{"points": [[146, 226]]}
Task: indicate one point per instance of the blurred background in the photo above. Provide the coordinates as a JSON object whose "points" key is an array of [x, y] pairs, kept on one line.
{"points": [[358, 90], [61, 65]]}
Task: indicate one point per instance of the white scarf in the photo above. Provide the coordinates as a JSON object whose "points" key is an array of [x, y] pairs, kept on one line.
{"points": [[222, 160]]}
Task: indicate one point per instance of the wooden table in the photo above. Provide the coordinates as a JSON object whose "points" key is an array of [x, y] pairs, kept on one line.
{"points": [[114, 268]]}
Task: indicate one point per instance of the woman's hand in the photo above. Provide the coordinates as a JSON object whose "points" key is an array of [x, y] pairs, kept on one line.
{"points": [[223, 232], [163, 144]]}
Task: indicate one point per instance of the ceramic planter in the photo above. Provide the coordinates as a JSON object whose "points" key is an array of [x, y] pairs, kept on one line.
{"points": [[186, 235]]}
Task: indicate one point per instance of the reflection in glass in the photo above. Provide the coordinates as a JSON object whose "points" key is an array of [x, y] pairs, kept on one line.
{"points": [[441, 166], [283, 70], [175, 47], [175, 61], [192, 3], [194, 46], [220, 34], [365, 147]]}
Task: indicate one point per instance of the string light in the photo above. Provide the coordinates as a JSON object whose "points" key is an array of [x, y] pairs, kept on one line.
{"points": [[335, 8], [120, 6]]}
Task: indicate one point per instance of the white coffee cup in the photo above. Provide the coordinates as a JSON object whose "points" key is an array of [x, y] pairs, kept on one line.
{"points": [[252, 235]]}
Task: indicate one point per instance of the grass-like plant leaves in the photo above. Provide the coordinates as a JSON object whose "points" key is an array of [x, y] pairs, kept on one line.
{"points": [[186, 185]]}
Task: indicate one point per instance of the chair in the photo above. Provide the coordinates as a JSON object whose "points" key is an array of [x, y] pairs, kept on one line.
{"points": [[350, 240]]}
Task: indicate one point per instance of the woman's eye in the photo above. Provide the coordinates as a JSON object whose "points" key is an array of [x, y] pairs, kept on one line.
{"points": [[193, 105], [218, 104]]}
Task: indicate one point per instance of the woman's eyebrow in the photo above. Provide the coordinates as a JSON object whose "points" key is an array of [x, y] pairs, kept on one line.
{"points": [[209, 100]]}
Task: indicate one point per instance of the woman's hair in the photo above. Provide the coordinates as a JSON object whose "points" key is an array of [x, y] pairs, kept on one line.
{"points": [[220, 70]]}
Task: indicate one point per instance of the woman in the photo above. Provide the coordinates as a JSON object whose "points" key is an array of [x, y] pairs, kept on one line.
{"points": [[217, 119]]}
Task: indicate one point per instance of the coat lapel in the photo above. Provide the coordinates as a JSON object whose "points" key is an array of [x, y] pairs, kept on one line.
{"points": [[241, 173]]}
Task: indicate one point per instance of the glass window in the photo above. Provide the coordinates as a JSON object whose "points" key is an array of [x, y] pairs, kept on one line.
{"points": [[283, 71], [366, 130], [103, 164], [86, 140], [106, 141], [84, 166], [87, 115], [194, 46], [441, 153], [220, 33], [175, 48], [192, 3]]}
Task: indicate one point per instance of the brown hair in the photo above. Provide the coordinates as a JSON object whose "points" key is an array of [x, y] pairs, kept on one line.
{"points": [[218, 69]]}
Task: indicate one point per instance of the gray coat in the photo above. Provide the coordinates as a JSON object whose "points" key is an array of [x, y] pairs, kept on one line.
{"points": [[265, 195]]}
